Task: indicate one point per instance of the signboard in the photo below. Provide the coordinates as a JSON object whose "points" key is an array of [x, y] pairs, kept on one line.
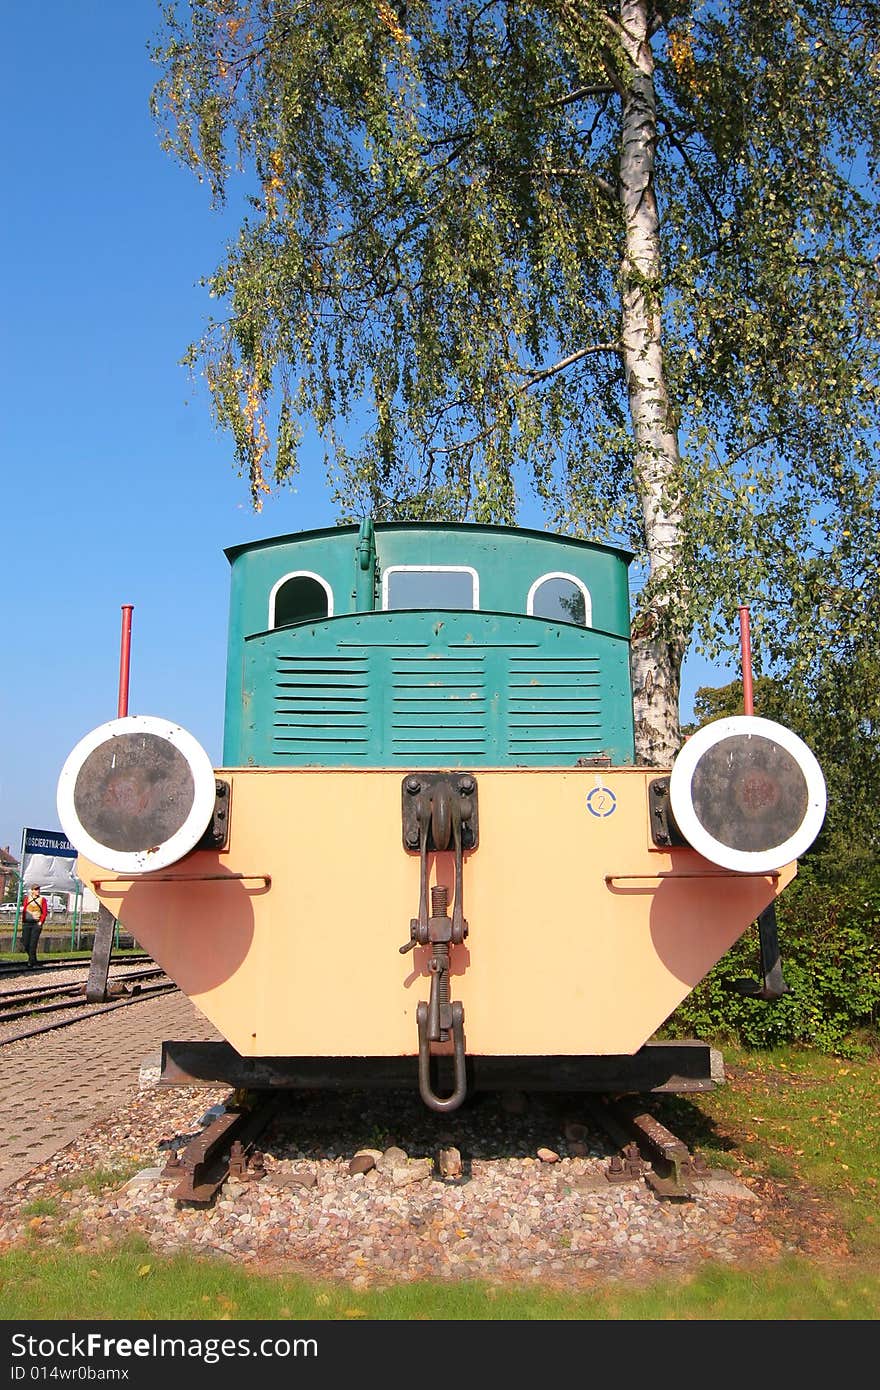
{"points": [[49, 860], [53, 842]]}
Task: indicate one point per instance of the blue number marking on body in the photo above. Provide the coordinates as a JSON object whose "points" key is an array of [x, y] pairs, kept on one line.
{"points": [[601, 802]]}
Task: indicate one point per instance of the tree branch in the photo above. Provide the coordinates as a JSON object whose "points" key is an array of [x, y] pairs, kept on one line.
{"points": [[532, 379], [535, 376], [670, 135], [593, 90]]}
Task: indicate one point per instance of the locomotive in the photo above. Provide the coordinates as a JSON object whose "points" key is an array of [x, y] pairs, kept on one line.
{"points": [[429, 856]]}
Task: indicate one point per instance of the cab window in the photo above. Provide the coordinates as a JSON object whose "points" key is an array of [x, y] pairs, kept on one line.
{"points": [[300, 598], [562, 599], [430, 586]]}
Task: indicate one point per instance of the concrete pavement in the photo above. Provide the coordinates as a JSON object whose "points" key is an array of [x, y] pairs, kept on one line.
{"points": [[54, 1086]]}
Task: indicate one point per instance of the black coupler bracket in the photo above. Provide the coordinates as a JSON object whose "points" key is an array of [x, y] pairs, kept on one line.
{"points": [[439, 814], [432, 803]]}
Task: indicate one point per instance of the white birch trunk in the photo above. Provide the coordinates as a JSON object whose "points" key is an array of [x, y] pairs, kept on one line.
{"points": [[659, 643]]}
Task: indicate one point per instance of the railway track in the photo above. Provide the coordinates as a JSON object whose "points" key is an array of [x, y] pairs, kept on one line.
{"points": [[13, 969], [67, 1001], [646, 1151]]}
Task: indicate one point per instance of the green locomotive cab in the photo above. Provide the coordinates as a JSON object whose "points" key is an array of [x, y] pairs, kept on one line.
{"points": [[439, 645]]}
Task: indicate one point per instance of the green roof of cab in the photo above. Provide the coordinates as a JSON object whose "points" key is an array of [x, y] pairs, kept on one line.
{"points": [[470, 527], [508, 561]]}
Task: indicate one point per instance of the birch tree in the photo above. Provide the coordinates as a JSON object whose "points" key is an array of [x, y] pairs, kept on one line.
{"points": [[617, 261]]}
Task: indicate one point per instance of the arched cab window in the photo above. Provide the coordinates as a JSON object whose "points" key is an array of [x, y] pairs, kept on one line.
{"points": [[301, 597], [430, 586], [562, 599]]}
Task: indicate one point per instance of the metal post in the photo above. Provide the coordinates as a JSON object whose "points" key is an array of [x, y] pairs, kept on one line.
{"points": [[99, 966], [105, 940], [124, 659], [745, 643]]}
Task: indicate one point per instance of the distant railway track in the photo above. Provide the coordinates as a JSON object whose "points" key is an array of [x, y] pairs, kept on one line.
{"points": [[11, 968], [25, 1003], [69, 999]]}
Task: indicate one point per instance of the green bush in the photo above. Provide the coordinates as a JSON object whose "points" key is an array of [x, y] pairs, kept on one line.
{"points": [[830, 944]]}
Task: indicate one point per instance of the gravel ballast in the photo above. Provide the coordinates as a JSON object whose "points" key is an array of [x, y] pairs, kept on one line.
{"points": [[370, 1188]]}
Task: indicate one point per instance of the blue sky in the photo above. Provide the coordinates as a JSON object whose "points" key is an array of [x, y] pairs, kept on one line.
{"points": [[116, 489]]}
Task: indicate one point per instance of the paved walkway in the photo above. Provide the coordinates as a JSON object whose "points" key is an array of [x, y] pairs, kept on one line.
{"points": [[54, 1086]]}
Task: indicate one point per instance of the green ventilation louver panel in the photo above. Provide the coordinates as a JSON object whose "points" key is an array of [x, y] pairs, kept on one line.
{"points": [[321, 705], [452, 689], [439, 705], [554, 703]]}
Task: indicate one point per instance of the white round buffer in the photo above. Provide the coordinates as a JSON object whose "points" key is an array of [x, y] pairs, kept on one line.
{"points": [[136, 794], [747, 794]]}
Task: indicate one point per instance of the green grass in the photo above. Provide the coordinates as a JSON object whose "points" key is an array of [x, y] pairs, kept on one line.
{"points": [[808, 1120], [84, 953], [802, 1117], [100, 1179], [42, 1206], [130, 1282]]}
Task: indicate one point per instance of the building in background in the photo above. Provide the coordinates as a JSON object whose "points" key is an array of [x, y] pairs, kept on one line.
{"points": [[9, 867]]}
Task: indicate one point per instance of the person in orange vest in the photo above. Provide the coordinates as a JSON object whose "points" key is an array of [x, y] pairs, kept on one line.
{"points": [[33, 917]]}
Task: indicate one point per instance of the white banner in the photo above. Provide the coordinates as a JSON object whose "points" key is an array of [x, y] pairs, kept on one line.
{"points": [[48, 859], [53, 873]]}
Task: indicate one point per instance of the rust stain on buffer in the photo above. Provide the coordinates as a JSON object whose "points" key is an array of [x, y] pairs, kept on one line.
{"points": [[440, 814]]}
